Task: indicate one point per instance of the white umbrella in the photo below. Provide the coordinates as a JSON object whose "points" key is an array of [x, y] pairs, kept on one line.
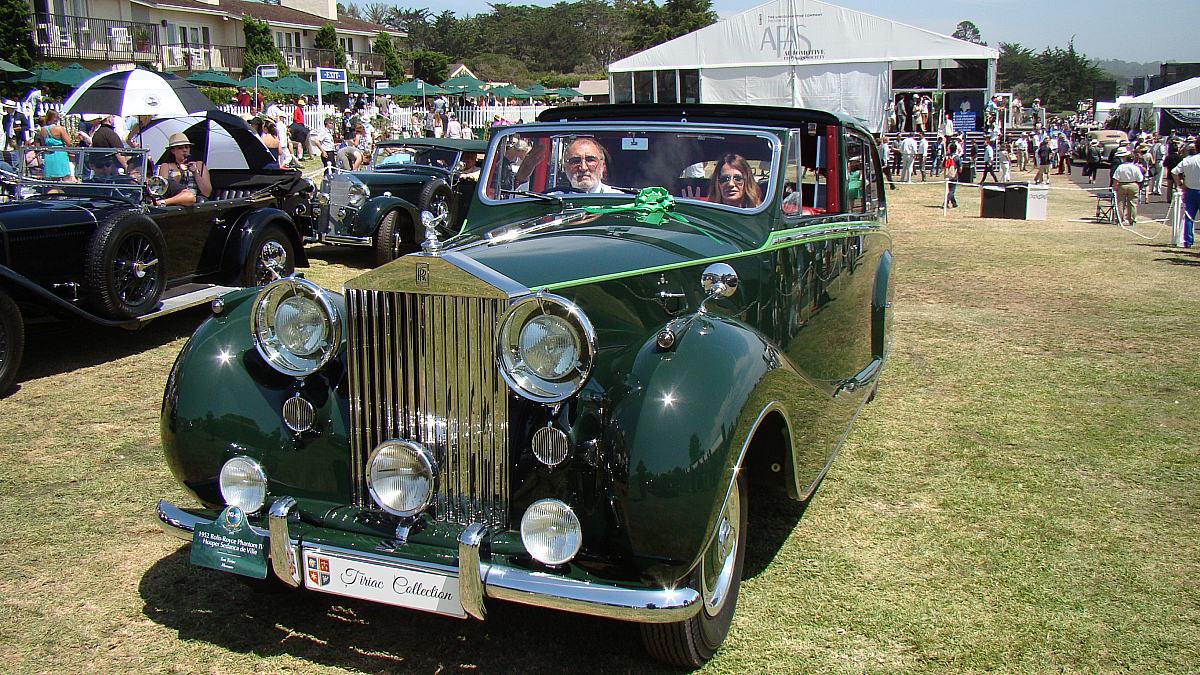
{"points": [[136, 92], [220, 140]]}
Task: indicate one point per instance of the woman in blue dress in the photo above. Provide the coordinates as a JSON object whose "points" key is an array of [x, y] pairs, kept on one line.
{"points": [[56, 165]]}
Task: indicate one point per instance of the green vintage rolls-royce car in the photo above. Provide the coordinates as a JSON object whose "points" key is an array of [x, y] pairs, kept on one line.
{"points": [[650, 312], [380, 206]]}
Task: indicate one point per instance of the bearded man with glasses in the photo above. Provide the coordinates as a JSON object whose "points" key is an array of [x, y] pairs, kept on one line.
{"points": [[586, 167]]}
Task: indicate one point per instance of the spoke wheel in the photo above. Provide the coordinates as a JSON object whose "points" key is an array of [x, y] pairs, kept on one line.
{"points": [[394, 237], [126, 269], [12, 342], [718, 576], [437, 198], [271, 257]]}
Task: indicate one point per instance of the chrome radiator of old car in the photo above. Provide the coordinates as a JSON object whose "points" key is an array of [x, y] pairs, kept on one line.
{"points": [[422, 367]]}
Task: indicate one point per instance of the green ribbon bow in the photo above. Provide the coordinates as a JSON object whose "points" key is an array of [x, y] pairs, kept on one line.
{"points": [[651, 206]]}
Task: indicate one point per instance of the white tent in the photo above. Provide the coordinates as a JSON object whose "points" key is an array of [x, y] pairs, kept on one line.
{"points": [[1174, 107], [798, 53]]}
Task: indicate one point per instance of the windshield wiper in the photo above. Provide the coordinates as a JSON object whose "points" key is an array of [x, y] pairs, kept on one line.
{"points": [[535, 195]]}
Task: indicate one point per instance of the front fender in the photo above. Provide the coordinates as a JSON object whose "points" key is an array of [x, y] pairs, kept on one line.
{"points": [[375, 209], [241, 241], [223, 400], [679, 427]]}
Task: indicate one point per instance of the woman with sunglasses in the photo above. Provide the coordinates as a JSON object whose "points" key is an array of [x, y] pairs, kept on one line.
{"points": [[192, 174], [733, 183]]}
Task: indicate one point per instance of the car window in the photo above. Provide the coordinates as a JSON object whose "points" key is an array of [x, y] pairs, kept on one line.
{"points": [[810, 177], [727, 169], [49, 169], [419, 155]]}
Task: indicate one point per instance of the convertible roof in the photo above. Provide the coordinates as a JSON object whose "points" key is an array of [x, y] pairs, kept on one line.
{"points": [[713, 114], [460, 144]]}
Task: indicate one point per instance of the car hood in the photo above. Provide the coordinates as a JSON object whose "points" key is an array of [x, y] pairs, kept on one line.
{"points": [[598, 246], [35, 213]]}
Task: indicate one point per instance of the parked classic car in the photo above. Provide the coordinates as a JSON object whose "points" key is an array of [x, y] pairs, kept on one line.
{"points": [[566, 404], [381, 205], [99, 247]]}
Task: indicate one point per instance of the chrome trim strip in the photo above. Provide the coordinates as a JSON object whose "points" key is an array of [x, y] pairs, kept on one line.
{"points": [[346, 239], [181, 524], [581, 597], [285, 558], [800, 236], [470, 572]]}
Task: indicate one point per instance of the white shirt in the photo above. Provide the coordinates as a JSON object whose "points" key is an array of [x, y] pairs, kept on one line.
{"points": [[908, 146], [1128, 172], [600, 188], [1189, 171], [323, 138], [454, 129]]}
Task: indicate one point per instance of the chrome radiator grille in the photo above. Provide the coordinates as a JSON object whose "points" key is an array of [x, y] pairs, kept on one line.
{"points": [[339, 191], [422, 367]]}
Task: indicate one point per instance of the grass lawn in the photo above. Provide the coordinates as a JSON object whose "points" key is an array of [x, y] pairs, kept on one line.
{"points": [[1021, 497]]}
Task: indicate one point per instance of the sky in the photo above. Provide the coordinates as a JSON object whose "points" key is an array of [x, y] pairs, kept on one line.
{"points": [[1163, 30]]}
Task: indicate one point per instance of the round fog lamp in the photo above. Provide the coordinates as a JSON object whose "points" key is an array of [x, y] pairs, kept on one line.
{"points": [[400, 477], [244, 484], [551, 532]]}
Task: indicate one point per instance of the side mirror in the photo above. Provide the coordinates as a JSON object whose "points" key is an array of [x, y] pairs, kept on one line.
{"points": [[719, 280]]}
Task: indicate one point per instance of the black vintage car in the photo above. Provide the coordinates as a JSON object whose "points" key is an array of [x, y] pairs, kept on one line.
{"points": [[381, 205], [656, 312], [98, 245]]}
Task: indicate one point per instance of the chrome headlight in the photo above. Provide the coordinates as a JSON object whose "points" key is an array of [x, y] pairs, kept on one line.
{"points": [[244, 484], [297, 327], [545, 347], [551, 532], [400, 477], [359, 194]]}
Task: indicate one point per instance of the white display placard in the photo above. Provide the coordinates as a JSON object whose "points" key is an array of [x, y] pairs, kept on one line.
{"points": [[400, 585]]}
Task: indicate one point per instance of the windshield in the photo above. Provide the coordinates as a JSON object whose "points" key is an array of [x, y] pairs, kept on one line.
{"points": [[48, 168], [726, 168], [420, 155]]}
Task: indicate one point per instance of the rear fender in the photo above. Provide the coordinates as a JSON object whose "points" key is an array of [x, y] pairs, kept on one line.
{"points": [[241, 239]]}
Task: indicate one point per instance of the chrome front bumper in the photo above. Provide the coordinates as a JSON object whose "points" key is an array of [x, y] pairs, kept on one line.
{"points": [[478, 579]]}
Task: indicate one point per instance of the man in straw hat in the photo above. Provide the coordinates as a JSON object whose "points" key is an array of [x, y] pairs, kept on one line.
{"points": [[1126, 181]]}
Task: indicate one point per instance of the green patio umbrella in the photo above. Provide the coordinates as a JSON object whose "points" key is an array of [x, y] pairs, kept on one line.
{"points": [[509, 91], [296, 86], [460, 81], [263, 83], [567, 92], [414, 88], [73, 75], [10, 72], [41, 75], [537, 90], [214, 78], [471, 92], [356, 88]]}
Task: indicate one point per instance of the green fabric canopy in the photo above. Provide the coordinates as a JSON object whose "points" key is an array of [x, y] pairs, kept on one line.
{"points": [[509, 91], [73, 75], [263, 83], [464, 80], [296, 86], [214, 78]]}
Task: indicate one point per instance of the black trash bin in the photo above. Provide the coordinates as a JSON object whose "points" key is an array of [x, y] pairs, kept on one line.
{"points": [[992, 200], [1016, 198]]}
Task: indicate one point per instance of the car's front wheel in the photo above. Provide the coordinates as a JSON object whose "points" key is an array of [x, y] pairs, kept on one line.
{"points": [[271, 257], [437, 198], [394, 237], [126, 269], [12, 342], [718, 577]]}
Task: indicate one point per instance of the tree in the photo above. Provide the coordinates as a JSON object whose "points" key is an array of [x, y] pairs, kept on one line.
{"points": [[16, 41], [967, 30], [393, 68], [349, 9], [429, 66], [1015, 66], [376, 12], [653, 25], [326, 39], [260, 48]]}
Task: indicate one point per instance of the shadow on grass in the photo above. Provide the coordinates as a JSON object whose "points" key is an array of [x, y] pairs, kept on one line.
{"points": [[1188, 257], [354, 257], [772, 518], [64, 346], [214, 607]]}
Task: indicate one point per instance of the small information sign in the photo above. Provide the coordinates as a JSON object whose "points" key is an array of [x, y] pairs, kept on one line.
{"points": [[228, 544]]}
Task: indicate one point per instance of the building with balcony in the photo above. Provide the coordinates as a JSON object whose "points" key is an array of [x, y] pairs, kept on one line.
{"points": [[193, 35]]}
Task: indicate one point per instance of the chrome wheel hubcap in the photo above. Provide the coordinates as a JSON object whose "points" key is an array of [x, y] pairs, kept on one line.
{"points": [[720, 559]]}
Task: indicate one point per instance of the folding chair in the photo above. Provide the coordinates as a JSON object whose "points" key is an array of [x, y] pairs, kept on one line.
{"points": [[1106, 207], [61, 38], [119, 38]]}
